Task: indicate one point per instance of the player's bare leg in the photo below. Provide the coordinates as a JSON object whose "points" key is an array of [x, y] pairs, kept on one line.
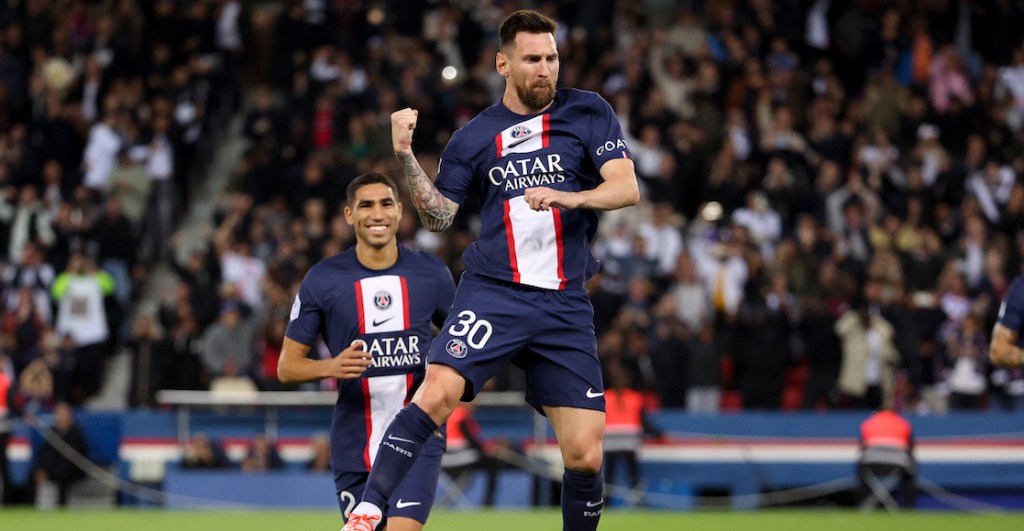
{"points": [[441, 391], [580, 434], [434, 401]]}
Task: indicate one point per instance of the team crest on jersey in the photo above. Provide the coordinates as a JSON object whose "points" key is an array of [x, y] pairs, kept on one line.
{"points": [[520, 131], [382, 300], [456, 348]]}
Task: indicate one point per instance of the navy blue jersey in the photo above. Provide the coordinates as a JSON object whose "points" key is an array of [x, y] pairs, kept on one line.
{"points": [[1011, 313], [391, 311], [499, 154]]}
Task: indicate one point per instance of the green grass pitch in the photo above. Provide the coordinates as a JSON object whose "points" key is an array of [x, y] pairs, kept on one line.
{"points": [[534, 520]]}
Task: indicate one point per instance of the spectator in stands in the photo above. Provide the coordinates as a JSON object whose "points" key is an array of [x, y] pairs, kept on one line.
{"points": [[228, 345], [79, 292], [57, 465], [202, 453], [262, 455], [116, 245], [704, 390], [663, 243], [201, 273], [869, 358], [238, 266], [152, 356], [25, 326], [100, 155], [31, 272], [159, 158], [47, 377], [31, 222], [968, 371]]}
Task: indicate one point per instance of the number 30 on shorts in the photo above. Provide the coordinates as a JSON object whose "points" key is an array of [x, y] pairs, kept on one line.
{"points": [[476, 331]]}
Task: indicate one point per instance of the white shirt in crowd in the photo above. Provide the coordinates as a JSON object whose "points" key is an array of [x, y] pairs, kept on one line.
{"points": [[247, 273], [80, 313], [100, 155]]}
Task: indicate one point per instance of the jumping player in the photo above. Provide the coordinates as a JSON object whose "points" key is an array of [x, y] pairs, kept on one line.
{"points": [[1007, 347], [373, 305], [541, 161]]}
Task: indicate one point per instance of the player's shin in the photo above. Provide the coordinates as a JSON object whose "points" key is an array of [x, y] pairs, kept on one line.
{"points": [[399, 449], [582, 500]]}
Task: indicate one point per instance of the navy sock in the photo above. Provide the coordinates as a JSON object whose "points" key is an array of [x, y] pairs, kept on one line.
{"points": [[398, 451], [582, 500]]}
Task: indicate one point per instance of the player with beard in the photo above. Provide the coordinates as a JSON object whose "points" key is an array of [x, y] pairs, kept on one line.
{"points": [[542, 161], [374, 305]]}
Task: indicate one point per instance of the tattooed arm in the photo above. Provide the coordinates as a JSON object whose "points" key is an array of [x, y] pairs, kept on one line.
{"points": [[1003, 350], [436, 211]]}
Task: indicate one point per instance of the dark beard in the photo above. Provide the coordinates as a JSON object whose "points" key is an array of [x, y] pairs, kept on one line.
{"points": [[536, 99]]}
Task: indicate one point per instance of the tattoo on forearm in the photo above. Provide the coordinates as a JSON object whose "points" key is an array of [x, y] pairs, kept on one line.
{"points": [[437, 212]]}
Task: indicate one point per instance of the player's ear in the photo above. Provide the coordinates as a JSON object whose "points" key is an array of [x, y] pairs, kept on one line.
{"points": [[348, 216], [501, 64]]}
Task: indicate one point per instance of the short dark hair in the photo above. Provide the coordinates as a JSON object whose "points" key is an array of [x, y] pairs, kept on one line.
{"points": [[365, 179], [521, 21]]}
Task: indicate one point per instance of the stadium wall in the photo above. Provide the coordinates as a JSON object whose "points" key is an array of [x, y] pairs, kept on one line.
{"points": [[741, 455]]}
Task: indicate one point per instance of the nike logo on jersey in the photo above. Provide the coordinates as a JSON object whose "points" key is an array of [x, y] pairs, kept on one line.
{"points": [[393, 438], [591, 504], [517, 142], [378, 323], [592, 394], [402, 505]]}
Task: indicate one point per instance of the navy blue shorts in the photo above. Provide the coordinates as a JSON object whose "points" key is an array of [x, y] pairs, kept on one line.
{"points": [[548, 333], [415, 494]]}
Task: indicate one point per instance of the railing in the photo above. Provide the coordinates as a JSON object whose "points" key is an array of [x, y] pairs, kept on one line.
{"points": [[184, 401]]}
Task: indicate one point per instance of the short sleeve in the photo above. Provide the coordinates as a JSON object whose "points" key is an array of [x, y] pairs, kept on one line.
{"points": [[1011, 313], [306, 316], [606, 139], [454, 172]]}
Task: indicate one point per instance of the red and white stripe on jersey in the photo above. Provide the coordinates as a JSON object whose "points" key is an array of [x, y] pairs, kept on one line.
{"points": [[524, 137], [383, 398], [383, 304], [535, 247]]}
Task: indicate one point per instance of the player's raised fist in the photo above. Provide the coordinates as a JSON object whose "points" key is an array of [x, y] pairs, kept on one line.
{"points": [[403, 123]]}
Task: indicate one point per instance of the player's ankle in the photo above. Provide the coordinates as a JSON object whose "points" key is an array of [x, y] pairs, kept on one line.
{"points": [[366, 508]]}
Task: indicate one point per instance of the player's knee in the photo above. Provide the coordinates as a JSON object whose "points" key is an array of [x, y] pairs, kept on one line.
{"points": [[584, 456], [440, 393]]}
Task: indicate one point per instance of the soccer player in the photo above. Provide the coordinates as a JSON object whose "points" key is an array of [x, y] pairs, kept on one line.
{"points": [[1007, 346], [373, 305], [542, 161]]}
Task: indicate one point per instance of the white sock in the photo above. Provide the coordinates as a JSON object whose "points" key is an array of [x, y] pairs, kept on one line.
{"points": [[367, 509]]}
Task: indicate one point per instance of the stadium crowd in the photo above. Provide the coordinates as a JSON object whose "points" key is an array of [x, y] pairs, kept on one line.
{"points": [[104, 110], [834, 202]]}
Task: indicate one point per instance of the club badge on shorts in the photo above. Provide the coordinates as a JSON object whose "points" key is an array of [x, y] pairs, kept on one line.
{"points": [[456, 348]]}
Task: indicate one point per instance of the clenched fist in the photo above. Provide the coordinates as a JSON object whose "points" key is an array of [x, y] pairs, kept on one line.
{"points": [[351, 362], [403, 123], [542, 198]]}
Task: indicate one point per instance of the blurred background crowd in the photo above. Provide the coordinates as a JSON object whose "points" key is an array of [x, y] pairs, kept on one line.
{"points": [[834, 201]]}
